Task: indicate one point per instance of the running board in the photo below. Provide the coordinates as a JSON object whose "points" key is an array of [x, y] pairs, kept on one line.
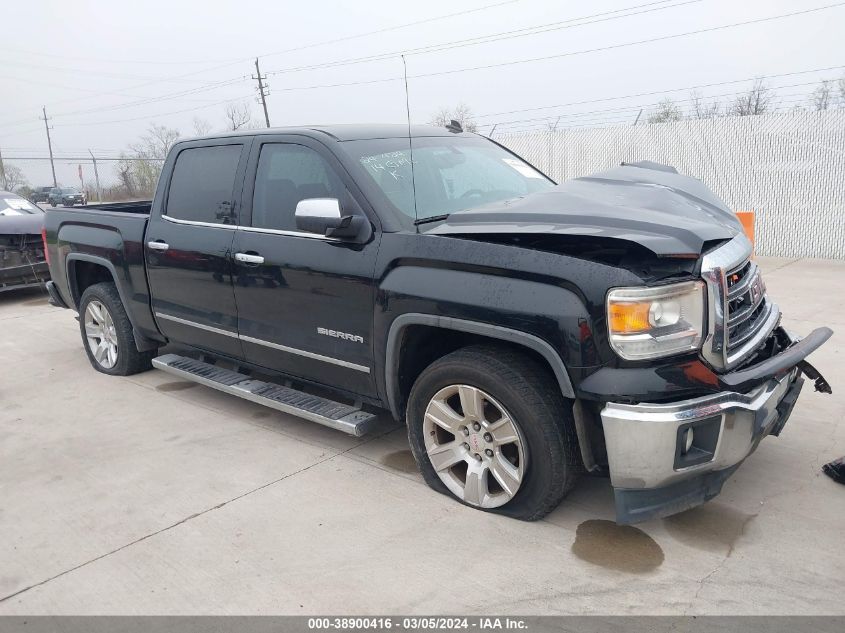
{"points": [[335, 415]]}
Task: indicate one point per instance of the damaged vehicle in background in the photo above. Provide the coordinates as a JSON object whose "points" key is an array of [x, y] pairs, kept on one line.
{"points": [[22, 259], [525, 331]]}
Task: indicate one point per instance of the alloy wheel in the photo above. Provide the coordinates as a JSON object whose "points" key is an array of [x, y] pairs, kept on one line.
{"points": [[474, 445], [101, 334]]}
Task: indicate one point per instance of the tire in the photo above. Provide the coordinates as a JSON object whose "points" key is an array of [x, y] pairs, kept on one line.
{"points": [[53, 204], [542, 464], [101, 309]]}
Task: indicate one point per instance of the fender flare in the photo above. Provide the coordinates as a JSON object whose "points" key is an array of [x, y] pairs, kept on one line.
{"points": [[472, 327], [142, 342]]}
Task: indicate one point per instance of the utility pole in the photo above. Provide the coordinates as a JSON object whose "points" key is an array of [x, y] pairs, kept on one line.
{"points": [[639, 114], [2, 170], [49, 145], [96, 177], [263, 91]]}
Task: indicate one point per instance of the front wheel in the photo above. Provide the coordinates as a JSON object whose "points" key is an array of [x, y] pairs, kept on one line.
{"points": [[490, 427], [107, 333]]}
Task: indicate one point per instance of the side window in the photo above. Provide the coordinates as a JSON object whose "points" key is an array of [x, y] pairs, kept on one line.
{"points": [[202, 184], [288, 173]]}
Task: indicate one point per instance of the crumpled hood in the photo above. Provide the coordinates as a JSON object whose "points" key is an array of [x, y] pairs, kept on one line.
{"points": [[646, 203], [25, 224]]}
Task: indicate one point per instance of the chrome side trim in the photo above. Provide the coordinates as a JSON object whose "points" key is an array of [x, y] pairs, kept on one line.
{"points": [[258, 341], [301, 352], [213, 225], [312, 236], [207, 328]]}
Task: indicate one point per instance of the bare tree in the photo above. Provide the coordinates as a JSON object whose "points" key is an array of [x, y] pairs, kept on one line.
{"points": [[758, 100], [238, 116], [667, 110], [124, 173], [461, 113], [699, 109], [201, 126], [841, 85], [12, 177], [140, 170], [822, 97]]}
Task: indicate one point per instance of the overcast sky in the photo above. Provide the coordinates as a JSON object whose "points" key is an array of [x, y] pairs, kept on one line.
{"points": [[107, 70]]}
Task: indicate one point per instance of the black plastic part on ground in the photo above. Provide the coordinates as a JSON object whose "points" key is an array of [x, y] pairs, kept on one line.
{"points": [[835, 470]]}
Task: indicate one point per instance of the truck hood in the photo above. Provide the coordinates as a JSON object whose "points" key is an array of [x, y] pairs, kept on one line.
{"points": [[646, 203], [24, 224]]}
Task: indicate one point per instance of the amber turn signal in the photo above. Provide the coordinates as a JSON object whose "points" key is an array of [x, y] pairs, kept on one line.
{"points": [[628, 318]]}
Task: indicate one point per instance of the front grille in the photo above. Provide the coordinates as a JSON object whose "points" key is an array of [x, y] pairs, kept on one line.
{"points": [[740, 315], [747, 305]]}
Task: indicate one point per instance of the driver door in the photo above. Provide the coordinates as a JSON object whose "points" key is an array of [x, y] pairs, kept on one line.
{"points": [[305, 301]]}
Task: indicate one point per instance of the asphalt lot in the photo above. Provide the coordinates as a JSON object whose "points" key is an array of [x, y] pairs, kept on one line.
{"points": [[149, 495]]}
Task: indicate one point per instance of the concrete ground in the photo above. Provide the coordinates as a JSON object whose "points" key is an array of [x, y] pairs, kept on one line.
{"points": [[148, 495]]}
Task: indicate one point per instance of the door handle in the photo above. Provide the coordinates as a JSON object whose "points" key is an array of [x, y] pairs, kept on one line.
{"points": [[249, 258], [158, 245]]}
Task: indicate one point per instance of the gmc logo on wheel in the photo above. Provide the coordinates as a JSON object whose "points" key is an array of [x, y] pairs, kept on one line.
{"points": [[355, 338]]}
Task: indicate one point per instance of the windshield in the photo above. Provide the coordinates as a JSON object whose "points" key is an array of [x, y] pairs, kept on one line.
{"points": [[17, 206], [450, 173], [70, 190]]}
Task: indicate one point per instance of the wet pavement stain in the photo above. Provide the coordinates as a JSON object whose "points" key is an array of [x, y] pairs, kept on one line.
{"points": [[402, 461], [260, 415], [712, 527], [618, 547], [176, 386]]}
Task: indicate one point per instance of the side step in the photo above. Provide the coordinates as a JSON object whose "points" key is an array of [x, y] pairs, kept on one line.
{"points": [[335, 415]]}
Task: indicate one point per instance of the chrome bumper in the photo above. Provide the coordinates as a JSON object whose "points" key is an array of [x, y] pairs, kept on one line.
{"points": [[652, 470]]}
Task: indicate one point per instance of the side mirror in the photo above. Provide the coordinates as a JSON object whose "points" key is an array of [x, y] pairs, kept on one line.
{"points": [[324, 216]]}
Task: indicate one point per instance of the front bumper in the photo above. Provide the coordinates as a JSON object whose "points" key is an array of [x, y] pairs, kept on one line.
{"points": [[22, 276], [668, 457]]}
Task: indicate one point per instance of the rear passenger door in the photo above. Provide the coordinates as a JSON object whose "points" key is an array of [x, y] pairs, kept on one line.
{"points": [[305, 302], [188, 246]]}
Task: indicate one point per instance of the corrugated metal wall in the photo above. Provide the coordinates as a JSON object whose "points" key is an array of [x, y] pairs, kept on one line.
{"points": [[788, 168]]}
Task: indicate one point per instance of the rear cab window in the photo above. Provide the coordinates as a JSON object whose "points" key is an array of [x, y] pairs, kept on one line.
{"points": [[202, 184]]}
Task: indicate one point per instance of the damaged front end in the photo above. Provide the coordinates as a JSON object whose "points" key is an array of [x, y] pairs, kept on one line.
{"points": [[698, 367], [22, 261]]}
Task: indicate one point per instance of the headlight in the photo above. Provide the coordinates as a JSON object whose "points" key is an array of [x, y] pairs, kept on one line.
{"points": [[652, 322]]}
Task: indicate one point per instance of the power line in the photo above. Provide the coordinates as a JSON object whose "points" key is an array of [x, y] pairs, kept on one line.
{"points": [[652, 104], [495, 37], [298, 48], [627, 119], [161, 114], [627, 44], [659, 92], [391, 28]]}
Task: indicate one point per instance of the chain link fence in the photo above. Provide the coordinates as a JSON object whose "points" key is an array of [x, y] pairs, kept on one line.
{"points": [[787, 168], [103, 179]]}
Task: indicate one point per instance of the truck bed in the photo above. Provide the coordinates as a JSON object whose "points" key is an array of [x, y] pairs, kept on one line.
{"points": [[140, 207]]}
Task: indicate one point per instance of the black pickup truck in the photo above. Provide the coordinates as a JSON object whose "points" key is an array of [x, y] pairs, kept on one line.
{"points": [[525, 331]]}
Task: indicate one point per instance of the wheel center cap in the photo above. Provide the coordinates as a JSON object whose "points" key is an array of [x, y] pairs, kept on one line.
{"points": [[475, 441]]}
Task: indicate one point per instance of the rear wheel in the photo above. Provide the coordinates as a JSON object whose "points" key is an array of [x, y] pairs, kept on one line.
{"points": [[107, 333], [489, 427]]}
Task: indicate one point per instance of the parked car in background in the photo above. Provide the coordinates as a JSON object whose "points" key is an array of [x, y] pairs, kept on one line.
{"points": [[41, 194], [22, 259], [67, 196]]}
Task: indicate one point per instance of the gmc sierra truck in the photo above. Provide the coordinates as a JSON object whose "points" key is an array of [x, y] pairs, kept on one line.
{"points": [[526, 332]]}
